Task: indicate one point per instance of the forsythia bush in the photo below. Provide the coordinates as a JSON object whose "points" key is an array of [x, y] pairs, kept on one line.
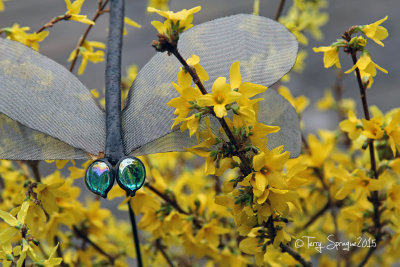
{"points": [[337, 204]]}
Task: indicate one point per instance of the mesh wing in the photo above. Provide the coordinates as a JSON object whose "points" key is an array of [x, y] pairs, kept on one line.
{"points": [[266, 50], [45, 111]]}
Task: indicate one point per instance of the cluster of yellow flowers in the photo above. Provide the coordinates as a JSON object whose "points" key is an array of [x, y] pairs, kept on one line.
{"points": [[351, 44]]}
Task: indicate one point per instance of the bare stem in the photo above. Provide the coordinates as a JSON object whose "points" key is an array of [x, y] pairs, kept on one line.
{"points": [[160, 247], [87, 239], [279, 10], [374, 199], [100, 10], [295, 255]]}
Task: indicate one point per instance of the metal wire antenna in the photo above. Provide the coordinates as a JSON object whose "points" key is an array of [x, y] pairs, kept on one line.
{"points": [[114, 139]]}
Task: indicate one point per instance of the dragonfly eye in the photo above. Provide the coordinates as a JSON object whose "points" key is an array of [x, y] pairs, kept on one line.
{"points": [[131, 174], [99, 177]]}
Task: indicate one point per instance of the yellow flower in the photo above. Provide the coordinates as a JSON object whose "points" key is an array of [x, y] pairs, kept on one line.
{"points": [[132, 23], [366, 66], [221, 96], [19, 34], [393, 131], [183, 17], [331, 55], [327, 102], [159, 4], [352, 126], [361, 184], [184, 78], [88, 54], [15, 223], [246, 89], [74, 9], [1, 5], [320, 150], [52, 261], [376, 32], [299, 103], [372, 128]]}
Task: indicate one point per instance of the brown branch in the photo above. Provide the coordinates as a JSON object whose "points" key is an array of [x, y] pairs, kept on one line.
{"points": [[53, 21], [100, 10], [246, 162], [87, 239], [34, 165], [279, 10], [295, 255], [316, 216]]}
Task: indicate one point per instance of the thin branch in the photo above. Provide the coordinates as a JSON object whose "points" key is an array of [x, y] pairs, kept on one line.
{"points": [[59, 252], [100, 10], [279, 11], [87, 239], [160, 247], [34, 165], [295, 255], [53, 21], [374, 199], [167, 199]]}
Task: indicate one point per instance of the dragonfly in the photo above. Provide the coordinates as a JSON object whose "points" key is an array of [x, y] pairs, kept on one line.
{"points": [[46, 113]]}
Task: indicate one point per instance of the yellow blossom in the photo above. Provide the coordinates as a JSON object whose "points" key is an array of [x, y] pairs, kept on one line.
{"points": [[376, 32], [159, 4], [88, 54], [367, 68], [327, 102], [183, 17], [246, 89], [352, 126], [74, 9], [1, 5], [361, 184], [221, 96], [132, 23], [373, 128], [184, 78], [331, 55], [393, 131], [19, 34]]}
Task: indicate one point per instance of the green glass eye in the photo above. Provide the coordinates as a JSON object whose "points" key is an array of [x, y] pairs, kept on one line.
{"points": [[99, 177], [131, 174]]}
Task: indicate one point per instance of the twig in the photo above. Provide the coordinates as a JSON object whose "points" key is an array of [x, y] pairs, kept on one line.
{"points": [[295, 255], [34, 165], [53, 21], [100, 11], [87, 239], [316, 216], [161, 248], [279, 11]]}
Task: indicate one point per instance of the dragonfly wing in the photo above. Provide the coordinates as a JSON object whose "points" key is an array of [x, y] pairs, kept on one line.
{"points": [[45, 107], [266, 50]]}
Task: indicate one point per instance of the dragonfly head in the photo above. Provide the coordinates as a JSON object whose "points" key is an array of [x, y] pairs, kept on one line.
{"points": [[129, 172]]}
